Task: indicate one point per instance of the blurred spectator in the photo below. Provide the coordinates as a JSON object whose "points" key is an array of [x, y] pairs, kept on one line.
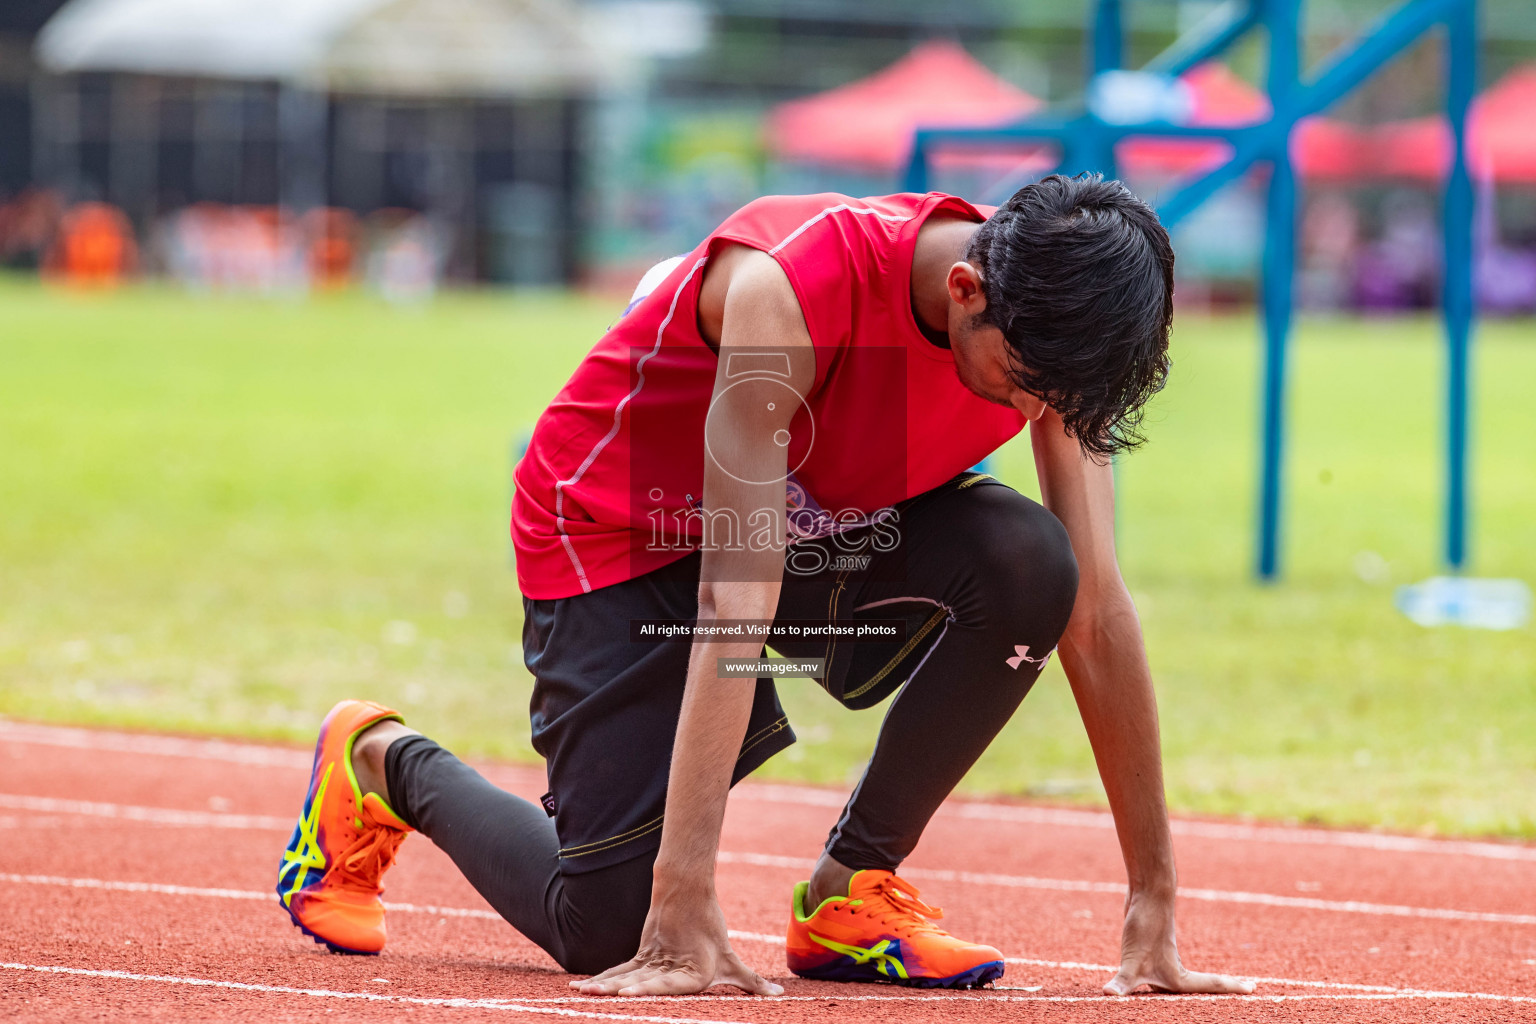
{"points": [[405, 255], [262, 249], [27, 226], [1330, 241], [1504, 276], [1401, 270], [253, 248], [189, 240], [1506, 280], [208, 246], [332, 236], [94, 247]]}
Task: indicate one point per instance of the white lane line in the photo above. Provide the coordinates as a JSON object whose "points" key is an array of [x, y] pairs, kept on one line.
{"points": [[1115, 888], [170, 816], [808, 796], [1145, 999], [154, 887], [225, 894], [12, 821], [490, 915], [372, 997], [1066, 965], [1073, 965], [559, 1006], [1001, 996], [163, 746], [983, 811], [147, 815]]}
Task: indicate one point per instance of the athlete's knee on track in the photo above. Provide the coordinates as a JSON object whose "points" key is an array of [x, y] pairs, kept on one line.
{"points": [[604, 944], [603, 915], [595, 958]]}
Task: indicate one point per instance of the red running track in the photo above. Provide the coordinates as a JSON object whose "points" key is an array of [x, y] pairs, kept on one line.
{"points": [[137, 872]]}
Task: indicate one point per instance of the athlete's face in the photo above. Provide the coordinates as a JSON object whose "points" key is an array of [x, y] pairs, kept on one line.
{"points": [[982, 356]]}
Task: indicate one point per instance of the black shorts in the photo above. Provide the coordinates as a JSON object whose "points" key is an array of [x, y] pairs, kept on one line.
{"points": [[605, 709]]}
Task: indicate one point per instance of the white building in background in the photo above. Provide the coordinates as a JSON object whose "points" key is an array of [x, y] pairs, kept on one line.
{"points": [[468, 112]]}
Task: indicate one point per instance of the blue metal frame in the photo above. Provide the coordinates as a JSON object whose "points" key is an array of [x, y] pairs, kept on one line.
{"points": [[1088, 143], [1461, 41]]}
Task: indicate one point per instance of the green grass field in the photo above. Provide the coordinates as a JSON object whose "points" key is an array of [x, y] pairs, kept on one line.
{"points": [[223, 514]]}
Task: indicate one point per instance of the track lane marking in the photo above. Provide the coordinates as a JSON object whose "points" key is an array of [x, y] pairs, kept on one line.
{"points": [[1001, 997], [372, 997], [234, 752], [1118, 889], [552, 1005], [1069, 818], [239, 752], [146, 815], [1074, 965], [171, 816], [735, 934], [162, 889]]}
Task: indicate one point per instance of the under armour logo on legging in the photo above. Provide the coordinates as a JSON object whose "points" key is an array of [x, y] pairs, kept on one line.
{"points": [[1021, 655]]}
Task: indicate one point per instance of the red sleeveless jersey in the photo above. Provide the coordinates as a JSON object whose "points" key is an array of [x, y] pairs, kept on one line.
{"points": [[610, 484]]}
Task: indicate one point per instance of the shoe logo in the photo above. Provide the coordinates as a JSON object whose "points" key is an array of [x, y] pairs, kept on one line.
{"points": [[1021, 655], [307, 853], [885, 954]]}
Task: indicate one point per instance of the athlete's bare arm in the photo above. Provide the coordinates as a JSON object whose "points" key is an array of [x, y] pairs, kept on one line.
{"points": [[1106, 663], [747, 309]]}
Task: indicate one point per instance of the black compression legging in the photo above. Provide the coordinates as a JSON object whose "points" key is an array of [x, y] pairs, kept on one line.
{"points": [[507, 848], [983, 574]]}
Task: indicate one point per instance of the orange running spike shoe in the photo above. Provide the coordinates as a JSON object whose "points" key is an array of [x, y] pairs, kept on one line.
{"points": [[881, 931], [328, 879]]}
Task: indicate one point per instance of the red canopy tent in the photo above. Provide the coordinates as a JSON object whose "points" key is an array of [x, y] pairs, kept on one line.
{"points": [[1324, 149], [1501, 137], [1321, 147], [869, 123]]}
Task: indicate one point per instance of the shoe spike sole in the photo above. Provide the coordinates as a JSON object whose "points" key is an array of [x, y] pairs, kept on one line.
{"points": [[976, 977], [318, 940]]}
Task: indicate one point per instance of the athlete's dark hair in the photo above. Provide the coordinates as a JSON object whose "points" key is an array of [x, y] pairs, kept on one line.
{"points": [[1078, 275]]}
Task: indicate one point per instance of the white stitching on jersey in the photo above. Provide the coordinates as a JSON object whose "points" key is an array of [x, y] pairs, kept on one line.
{"points": [[565, 539], [897, 218], [618, 413]]}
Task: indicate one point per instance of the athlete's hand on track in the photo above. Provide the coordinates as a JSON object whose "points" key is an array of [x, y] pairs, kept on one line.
{"points": [[684, 949], [1150, 956]]}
